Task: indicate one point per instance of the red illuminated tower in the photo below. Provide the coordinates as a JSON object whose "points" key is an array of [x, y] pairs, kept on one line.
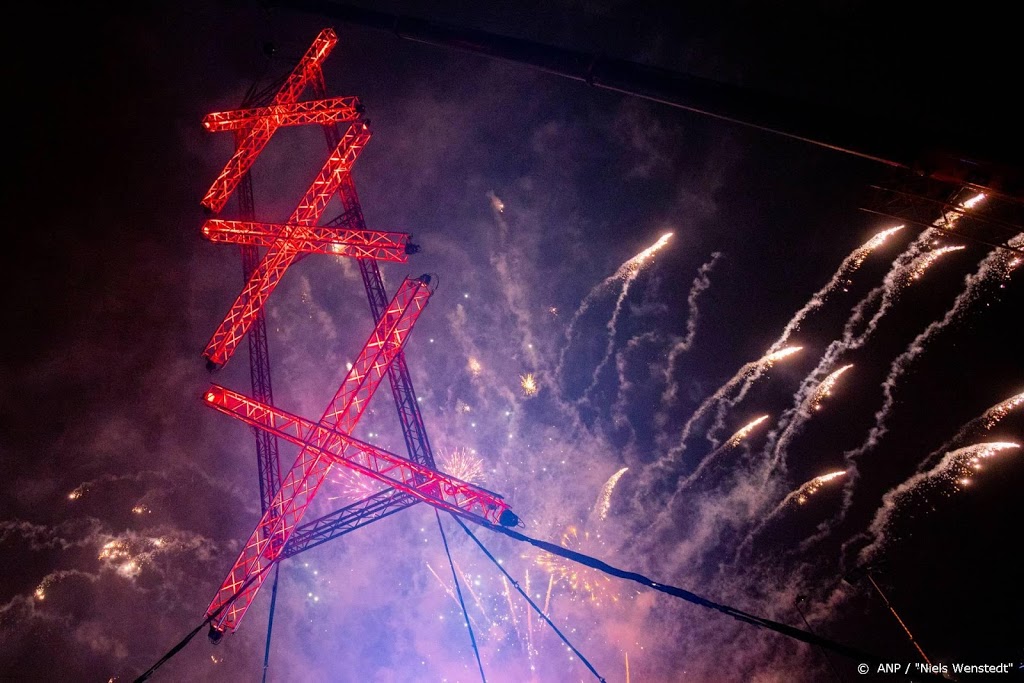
{"points": [[323, 444]]}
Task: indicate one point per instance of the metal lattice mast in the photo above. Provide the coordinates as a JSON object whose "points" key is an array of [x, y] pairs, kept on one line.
{"points": [[300, 484]]}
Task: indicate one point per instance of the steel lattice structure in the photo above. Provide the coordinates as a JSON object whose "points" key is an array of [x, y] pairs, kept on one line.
{"points": [[329, 441]]}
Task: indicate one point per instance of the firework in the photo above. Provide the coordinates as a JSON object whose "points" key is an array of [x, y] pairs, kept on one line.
{"points": [[802, 494], [141, 509], [352, 485], [744, 432], [752, 368], [824, 389], [464, 464], [604, 500], [735, 440], [529, 384], [77, 493], [973, 285], [625, 274], [584, 583], [918, 267], [797, 497], [954, 472], [474, 367], [997, 412]]}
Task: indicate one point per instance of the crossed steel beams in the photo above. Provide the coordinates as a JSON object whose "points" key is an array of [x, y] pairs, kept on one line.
{"points": [[327, 442]]}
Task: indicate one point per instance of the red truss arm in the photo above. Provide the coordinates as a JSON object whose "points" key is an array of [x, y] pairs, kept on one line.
{"points": [[301, 483], [381, 246], [433, 487], [281, 254], [256, 138], [331, 110]]}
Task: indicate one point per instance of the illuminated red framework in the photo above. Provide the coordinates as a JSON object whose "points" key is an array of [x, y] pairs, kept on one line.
{"points": [[328, 442], [300, 234]]}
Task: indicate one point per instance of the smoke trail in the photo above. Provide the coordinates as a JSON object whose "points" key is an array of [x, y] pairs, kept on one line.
{"points": [[751, 367], [840, 279], [506, 263], [618, 409], [626, 273], [995, 265], [804, 413], [632, 269], [987, 420], [798, 496], [732, 442], [700, 283], [907, 267], [998, 264], [953, 470]]}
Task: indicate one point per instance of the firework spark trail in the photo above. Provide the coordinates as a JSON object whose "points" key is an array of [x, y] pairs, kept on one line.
{"points": [[953, 470], [731, 443], [905, 269], [841, 278], [992, 266], [604, 499], [632, 267], [626, 273], [451, 593], [770, 359], [468, 581], [507, 264], [798, 496], [794, 426], [987, 420], [700, 284]]}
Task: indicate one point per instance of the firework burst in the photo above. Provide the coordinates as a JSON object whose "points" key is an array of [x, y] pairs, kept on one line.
{"points": [[528, 383], [463, 463], [583, 583]]}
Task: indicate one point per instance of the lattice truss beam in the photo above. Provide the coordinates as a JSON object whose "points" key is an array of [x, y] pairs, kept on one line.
{"points": [[300, 234], [329, 441]]}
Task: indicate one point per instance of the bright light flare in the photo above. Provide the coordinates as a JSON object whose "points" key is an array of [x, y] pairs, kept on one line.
{"points": [[824, 389], [475, 368], [802, 494], [744, 432], [858, 256], [633, 265], [773, 358], [926, 260]]}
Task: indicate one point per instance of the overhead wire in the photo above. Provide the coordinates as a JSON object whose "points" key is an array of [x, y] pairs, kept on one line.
{"points": [[192, 634], [739, 615], [462, 602], [537, 609]]}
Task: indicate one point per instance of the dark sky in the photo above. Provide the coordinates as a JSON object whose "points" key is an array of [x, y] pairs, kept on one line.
{"points": [[124, 501]]}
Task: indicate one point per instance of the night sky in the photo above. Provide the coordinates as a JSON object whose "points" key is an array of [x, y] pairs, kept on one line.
{"points": [[124, 501]]}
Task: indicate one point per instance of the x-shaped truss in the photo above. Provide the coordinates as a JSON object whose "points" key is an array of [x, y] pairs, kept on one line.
{"points": [[328, 441]]}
